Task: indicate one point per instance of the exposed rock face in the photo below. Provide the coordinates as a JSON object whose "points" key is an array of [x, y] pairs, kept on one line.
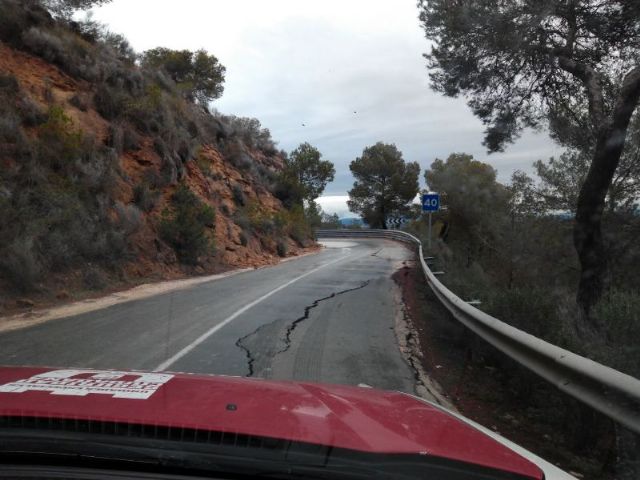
{"points": [[231, 190]]}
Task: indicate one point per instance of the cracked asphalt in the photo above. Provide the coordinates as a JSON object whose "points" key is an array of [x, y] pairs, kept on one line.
{"points": [[334, 324]]}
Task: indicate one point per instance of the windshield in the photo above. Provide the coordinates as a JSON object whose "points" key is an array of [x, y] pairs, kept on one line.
{"points": [[329, 201]]}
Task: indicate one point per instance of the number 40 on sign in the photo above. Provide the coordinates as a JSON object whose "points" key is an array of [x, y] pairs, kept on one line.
{"points": [[430, 202]]}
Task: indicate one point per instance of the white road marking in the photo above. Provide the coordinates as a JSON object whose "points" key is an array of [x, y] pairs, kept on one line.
{"points": [[167, 363]]}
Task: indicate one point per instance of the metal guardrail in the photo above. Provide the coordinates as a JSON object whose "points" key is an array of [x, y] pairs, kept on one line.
{"points": [[609, 391]]}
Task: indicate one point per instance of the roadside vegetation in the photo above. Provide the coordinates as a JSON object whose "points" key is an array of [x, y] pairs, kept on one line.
{"points": [[509, 247], [70, 199], [184, 226], [555, 254]]}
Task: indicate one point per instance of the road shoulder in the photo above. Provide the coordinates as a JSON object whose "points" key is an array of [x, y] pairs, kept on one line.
{"points": [[37, 316]]}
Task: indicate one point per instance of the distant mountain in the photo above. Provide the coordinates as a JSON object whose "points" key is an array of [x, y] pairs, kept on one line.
{"points": [[351, 221]]}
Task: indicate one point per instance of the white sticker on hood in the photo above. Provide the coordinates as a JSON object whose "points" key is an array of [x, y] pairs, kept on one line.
{"points": [[132, 385]]}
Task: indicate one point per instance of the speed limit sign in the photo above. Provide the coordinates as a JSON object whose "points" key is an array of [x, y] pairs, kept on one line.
{"points": [[430, 202]]}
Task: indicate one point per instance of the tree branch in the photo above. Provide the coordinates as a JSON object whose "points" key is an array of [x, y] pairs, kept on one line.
{"points": [[589, 78], [627, 99]]}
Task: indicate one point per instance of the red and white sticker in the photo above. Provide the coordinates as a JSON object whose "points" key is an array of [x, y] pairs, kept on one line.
{"points": [[131, 385]]}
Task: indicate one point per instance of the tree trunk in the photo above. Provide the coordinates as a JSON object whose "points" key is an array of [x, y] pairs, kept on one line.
{"points": [[587, 232], [611, 136]]}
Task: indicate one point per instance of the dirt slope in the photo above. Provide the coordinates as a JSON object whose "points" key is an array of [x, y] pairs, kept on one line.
{"points": [[211, 176]]}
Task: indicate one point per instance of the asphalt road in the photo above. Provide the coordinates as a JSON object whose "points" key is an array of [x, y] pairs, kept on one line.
{"points": [[324, 318]]}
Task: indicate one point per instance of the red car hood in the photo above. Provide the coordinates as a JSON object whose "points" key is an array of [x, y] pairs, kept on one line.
{"points": [[353, 418]]}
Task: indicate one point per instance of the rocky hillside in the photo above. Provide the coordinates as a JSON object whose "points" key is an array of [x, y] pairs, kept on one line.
{"points": [[109, 176]]}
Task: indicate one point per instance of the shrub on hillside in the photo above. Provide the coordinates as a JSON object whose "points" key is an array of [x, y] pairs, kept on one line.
{"points": [[268, 176], [129, 218], [238, 195], [19, 263], [94, 279], [250, 132], [68, 51], [619, 310], [184, 226], [244, 238], [144, 197], [204, 164], [198, 75], [236, 153], [17, 16], [62, 142], [534, 310], [84, 50], [80, 101], [115, 138], [110, 102], [95, 32], [148, 112], [299, 227], [55, 210], [282, 248]]}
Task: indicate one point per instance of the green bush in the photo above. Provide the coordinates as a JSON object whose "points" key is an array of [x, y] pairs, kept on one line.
{"points": [[144, 197], [534, 310], [56, 208], [299, 226], [149, 110], [17, 16], [20, 264], [80, 101], [130, 138], [184, 227], [62, 143], [204, 164], [244, 238], [619, 311], [238, 195], [30, 112], [129, 218], [115, 138], [248, 131], [67, 50], [242, 220], [110, 102], [253, 218], [282, 248], [94, 279]]}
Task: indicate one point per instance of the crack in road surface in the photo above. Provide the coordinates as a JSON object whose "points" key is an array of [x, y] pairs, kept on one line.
{"points": [[251, 358], [294, 324]]}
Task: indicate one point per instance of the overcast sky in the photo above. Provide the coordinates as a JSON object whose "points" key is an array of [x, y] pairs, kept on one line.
{"points": [[341, 75]]}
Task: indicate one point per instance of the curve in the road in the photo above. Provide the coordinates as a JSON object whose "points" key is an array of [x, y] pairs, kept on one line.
{"points": [[173, 359]]}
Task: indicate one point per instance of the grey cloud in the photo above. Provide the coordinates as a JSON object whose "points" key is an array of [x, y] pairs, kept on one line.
{"points": [[302, 68]]}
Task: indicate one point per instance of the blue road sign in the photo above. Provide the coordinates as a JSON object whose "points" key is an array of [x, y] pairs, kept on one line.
{"points": [[430, 202]]}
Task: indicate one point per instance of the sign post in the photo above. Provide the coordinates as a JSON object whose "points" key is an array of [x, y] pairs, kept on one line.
{"points": [[430, 203]]}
